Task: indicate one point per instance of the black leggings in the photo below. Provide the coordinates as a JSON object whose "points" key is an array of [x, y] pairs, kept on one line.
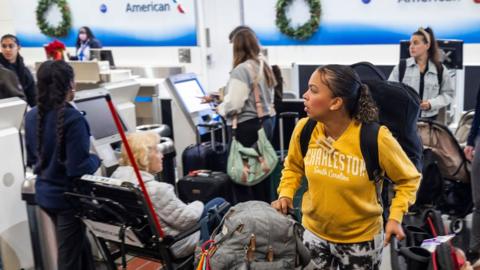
{"points": [[246, 132], [74, 251], [247, 135]]}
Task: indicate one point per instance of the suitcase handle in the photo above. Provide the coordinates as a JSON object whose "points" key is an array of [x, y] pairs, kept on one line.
{"points": [[210, 126], [289, 115], [294, 115]]}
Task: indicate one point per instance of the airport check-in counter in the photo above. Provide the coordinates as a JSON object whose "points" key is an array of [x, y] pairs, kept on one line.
{"points": [[15, 244], [153, 100]]}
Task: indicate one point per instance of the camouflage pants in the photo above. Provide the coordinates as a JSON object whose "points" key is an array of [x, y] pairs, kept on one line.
{"points": [[331, 256]]}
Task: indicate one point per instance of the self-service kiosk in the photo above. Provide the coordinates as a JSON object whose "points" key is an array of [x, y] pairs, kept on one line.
{"points": [[105, 137], [15, 246], [123, 96], [188, 112]]}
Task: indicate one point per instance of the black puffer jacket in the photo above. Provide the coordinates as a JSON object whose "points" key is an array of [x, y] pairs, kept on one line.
{"points": [[24, 76]]}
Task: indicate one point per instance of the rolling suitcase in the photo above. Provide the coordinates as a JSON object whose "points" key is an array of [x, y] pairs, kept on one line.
{"points": [[204, 185], [206, 155]]}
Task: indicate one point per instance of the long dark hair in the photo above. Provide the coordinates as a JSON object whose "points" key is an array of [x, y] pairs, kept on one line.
{"points": [[246, 47], [54, 81], [345, 83], [90, 36], [433, 50], [238, 29]]}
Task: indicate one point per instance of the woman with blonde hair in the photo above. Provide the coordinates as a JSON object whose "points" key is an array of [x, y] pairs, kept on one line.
{"points": [[175, 216]]}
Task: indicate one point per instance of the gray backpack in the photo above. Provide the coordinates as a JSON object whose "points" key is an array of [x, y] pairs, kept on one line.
{"points": [[255, 236]]}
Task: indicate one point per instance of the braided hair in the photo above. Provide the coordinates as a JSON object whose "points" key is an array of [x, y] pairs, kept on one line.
{"points": [[54, 81]]}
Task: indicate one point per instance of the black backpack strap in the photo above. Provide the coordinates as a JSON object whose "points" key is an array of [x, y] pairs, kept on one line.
{"points": [[306, 135], [440, 78], [402, 67], [369, 146]]}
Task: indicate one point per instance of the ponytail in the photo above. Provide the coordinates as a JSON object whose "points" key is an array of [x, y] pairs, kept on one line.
{"points": [[366, 110], [433, 51]]}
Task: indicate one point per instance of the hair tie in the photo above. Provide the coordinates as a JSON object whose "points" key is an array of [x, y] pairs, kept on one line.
{"points": [[357, 88]]}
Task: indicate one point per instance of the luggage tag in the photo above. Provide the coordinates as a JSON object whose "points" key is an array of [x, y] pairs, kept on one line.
{"points": [[326, 144], [431, 244], [250, 249]]}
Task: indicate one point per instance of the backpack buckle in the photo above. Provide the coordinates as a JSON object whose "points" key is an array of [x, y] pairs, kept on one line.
{"points": [[377, 176]]}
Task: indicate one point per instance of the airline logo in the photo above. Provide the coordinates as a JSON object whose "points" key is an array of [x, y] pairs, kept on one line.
{"points": [[152, 7]]}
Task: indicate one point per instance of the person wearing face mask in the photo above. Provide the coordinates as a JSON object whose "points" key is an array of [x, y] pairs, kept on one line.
{"points": [[11, 59], [85, 41], [57, 140], [424, 72]]}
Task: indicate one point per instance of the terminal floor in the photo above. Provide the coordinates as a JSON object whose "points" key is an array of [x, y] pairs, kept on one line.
{"points": [[142, 264]]}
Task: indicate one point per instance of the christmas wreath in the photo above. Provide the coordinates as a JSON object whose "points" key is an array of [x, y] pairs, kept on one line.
{"points": [[306, 30], [62, 29]]}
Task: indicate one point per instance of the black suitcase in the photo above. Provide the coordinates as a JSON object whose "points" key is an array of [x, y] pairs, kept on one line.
{"points": [[206, 155], [204, 186]]}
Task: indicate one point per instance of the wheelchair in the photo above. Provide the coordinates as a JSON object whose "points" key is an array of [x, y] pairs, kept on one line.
{"points": [[117, 214]]}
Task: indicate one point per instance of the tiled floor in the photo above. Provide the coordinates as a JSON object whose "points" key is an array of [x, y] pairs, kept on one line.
{"points": [[141, 264], [133, 264]]}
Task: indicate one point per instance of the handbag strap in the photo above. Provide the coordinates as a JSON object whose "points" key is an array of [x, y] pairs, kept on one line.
{"points": [[256, 93]]}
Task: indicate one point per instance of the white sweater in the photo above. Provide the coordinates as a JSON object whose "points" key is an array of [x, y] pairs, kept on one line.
{"points": [[175, 216]]}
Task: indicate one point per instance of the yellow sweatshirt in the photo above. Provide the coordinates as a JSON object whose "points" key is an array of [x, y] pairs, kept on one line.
{"points": [[341, 204]]}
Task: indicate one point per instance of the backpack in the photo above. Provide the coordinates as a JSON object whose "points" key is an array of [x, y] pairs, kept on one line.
{"points": [[389, 97], [419, 227], [255, 236], [399, 110], [432, 185]]}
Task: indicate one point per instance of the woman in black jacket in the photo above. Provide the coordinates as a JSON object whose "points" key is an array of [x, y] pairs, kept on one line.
{"points": [[10, 58]]}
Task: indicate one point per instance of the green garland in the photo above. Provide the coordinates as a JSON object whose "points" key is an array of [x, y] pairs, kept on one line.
{"points": [[306, 30], [62, 29]]}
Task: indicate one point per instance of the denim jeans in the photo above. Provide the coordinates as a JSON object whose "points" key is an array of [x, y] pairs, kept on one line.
{"points": [[209, 224]]}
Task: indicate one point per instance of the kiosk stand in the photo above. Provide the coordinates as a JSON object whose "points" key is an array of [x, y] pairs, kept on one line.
{"points": [[188, 113], [15, 244]]}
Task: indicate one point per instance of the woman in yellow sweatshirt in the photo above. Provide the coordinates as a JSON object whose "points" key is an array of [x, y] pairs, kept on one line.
{"points": [[341, 212]]}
